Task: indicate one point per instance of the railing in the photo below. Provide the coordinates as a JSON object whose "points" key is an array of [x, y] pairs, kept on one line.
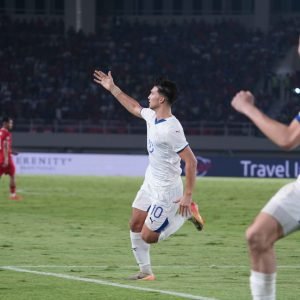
{"points": [[122, 127]]}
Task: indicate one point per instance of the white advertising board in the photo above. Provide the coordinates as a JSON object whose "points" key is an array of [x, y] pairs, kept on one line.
{"points": [[80, 164]]}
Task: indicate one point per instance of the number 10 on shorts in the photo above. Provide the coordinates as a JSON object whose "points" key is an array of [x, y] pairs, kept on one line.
{"points": [[156, 211]]}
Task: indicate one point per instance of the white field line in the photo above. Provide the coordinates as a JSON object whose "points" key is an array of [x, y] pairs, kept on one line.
{"points": [[155, 267], [102, 282]]}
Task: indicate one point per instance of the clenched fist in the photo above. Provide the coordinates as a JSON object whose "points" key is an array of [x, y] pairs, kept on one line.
{"points": [[242, 101]]}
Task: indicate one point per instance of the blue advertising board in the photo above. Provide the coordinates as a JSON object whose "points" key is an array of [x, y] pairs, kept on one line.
{"points": [[248, 167]]}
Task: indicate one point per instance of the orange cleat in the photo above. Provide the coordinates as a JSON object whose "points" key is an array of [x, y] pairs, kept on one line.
{"points": [[196, 218], [142, 276]]}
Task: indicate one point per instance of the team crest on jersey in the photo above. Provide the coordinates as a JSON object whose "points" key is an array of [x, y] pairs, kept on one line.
{"points": [[150, 146]]}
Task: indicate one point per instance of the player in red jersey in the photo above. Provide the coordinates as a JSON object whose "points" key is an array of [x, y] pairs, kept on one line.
{"points": [[7, 165]]}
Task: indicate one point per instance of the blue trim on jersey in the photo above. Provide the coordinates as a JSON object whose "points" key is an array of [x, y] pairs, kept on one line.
{"points": [[159, 121], [163, 226], [298, 118], [182, 149]]}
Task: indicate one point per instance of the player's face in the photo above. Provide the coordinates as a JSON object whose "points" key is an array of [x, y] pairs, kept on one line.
{"points": [[154, 98], [10, 124]]}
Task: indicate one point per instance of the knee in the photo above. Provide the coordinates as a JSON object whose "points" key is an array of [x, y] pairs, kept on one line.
{"points": [[149, 239], [135, 225], [256, 240]]}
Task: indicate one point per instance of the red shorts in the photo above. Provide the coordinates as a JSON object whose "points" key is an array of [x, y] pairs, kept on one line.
{"points": [[9, 170]]}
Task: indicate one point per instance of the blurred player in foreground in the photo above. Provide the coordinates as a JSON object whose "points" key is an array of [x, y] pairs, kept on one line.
{"points": [[281, 215], [160, 207], [7, 165]]}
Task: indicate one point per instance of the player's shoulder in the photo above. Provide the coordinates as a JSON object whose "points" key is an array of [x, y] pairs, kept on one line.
{"points": [[147, 110], [174, 126], [3, 132], [147, 113], [174, 122]]}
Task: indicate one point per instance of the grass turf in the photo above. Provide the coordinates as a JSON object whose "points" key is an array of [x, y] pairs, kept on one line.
{"points": [[78, 226]]}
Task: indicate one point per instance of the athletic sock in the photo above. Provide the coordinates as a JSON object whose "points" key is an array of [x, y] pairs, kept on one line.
{"points": [[263, 286], [172, 227], [141, 252], [12, 189]]}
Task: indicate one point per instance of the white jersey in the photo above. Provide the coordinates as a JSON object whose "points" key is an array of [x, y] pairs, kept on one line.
{"points": [[165, 139]]}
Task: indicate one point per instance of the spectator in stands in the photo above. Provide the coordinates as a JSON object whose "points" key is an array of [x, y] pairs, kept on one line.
{"points": [[41, 64]]}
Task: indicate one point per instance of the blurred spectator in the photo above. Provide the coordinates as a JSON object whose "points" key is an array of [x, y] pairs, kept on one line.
{"points": [[47, 74]]}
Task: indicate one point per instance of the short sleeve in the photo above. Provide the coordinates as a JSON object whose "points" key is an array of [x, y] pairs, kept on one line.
{"points": [[176, 138], [4, 135], [147, 114]]}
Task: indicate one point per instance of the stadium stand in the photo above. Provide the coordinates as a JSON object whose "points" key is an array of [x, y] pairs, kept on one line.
{"points": [[46, 74]]}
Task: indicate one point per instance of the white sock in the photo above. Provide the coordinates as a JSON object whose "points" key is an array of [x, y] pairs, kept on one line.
{"points": [[263, 286], [141, 252], [172, 227]]}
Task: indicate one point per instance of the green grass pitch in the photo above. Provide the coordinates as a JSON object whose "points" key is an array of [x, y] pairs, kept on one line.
{"points": [[78, 227]]}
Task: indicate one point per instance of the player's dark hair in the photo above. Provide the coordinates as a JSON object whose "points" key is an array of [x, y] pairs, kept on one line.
{"points": [[6, 119], [167, 88]]}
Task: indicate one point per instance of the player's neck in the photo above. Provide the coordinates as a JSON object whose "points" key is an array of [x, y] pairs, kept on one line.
{"points": [[163, 112]]}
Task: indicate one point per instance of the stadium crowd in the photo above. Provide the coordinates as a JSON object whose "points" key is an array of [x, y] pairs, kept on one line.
{"points": [[47, 74]]}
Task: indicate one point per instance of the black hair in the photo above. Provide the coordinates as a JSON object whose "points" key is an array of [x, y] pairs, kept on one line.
{"points": [[167, 88], [6, 119]]}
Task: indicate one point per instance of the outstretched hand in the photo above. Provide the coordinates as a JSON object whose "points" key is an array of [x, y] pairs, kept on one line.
{"points": [[103, 79], [242, 101]]}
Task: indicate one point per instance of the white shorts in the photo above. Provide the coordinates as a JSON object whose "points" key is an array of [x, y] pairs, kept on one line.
{"points": [[284, 206], [159, 203]]}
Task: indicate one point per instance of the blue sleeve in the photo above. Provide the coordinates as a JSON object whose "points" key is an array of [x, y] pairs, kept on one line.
{"points": [[298, 117]]}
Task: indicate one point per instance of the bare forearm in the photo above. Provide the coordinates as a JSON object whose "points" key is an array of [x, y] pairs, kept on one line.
{"points": [[6, 150], [190, 177], [128, 102], [275, 131]]}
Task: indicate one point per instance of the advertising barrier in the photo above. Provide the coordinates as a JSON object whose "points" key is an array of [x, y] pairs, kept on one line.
{"points": [[248, 167], [80, 164], [135, 165]]}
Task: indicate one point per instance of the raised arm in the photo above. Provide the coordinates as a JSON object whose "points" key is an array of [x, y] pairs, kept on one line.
{"points": [[286, 137], [106, 80]]}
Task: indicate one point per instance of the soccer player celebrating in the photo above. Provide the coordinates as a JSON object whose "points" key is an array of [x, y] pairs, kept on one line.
{"points": [[160, 207], [7, 165], [281, 215]]}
